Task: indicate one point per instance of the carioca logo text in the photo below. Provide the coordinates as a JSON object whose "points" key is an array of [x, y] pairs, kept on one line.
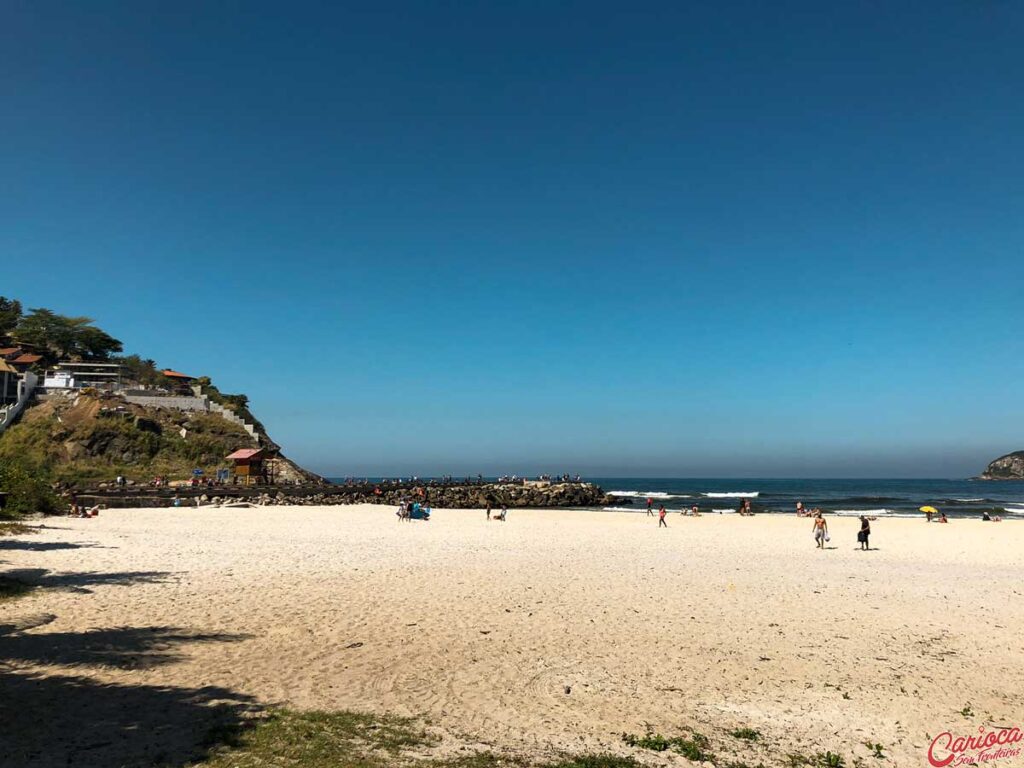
{"points": [[945, 748]]}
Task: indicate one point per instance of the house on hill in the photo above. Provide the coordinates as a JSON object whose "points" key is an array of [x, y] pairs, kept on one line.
{"points": [[178, 382], [72, 375], [9, 377]]}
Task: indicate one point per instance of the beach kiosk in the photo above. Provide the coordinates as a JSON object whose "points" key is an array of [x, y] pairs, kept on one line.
{"points": [[248, 465]]}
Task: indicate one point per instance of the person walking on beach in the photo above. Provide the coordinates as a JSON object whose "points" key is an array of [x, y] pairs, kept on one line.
{"points": [[488, 510], [863, 533], [820, 530], [650, 503], [661, 517]]}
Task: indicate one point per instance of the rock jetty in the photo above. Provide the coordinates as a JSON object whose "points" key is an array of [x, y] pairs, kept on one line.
{"points": [[537, 494]]}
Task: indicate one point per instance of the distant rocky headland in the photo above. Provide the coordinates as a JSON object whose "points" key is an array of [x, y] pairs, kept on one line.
{"points": [[1008, 467]]}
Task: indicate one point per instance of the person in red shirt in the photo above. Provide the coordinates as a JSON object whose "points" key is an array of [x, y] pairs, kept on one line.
{"points": [[661, 517]]}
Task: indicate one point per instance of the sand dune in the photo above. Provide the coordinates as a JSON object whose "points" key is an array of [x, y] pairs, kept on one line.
{"points": [[482, 627]]}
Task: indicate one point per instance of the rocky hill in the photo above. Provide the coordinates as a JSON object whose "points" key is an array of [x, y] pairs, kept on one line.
{"points": [[90, 437], [1008, 467]]}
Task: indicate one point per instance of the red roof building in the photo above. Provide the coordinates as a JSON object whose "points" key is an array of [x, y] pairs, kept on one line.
{"points": [[249, 467], [24, 360]]}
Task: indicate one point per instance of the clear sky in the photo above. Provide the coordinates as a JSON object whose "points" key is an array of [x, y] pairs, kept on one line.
{"points": [[686, 239]]}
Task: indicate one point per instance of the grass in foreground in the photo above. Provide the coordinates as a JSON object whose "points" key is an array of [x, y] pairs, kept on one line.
{"points": [[16, 529], [355, 740], [694, 748]]}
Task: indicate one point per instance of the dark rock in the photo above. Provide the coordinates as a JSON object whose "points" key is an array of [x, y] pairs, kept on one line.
{"points": [[1008, 467]]}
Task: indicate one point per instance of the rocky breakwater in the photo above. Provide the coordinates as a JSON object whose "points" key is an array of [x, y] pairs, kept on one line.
{"points": [[476, 496], [440, 496], [1008, 467]]}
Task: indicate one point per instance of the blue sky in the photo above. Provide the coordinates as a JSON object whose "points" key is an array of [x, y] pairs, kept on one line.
{"points": [[725, 239]]}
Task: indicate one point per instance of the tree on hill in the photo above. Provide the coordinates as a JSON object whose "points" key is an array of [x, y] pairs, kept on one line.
{"points": [[10, 315], [140, 370], [58, 337]]}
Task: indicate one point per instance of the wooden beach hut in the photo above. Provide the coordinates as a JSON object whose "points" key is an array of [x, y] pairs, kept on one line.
{"points": [[248, 465]]}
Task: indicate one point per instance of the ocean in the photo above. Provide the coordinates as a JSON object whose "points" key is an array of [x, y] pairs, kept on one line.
{"points": [[894, 498]]}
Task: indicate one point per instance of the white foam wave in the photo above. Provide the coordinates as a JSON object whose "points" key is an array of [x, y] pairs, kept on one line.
{"points": [[635, 510], [724, 511], [1014, 510], [966, 500], [733, 494], [648, 494], [858, 512]]}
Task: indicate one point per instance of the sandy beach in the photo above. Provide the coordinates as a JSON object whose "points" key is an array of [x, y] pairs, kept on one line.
{"points": [[556, 630]]}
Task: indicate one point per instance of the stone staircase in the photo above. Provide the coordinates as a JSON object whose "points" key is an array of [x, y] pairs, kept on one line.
{"points": [[227, 414]]}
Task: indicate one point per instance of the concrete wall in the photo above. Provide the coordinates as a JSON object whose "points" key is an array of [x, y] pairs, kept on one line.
{"points": [[25, 388], [178, 403]]}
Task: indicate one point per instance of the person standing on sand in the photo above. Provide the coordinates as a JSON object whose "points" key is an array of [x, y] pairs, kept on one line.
{"points": [[799, 509], [661, 517], [650, 503], [488, 510], [863, 533], [820, 530]]}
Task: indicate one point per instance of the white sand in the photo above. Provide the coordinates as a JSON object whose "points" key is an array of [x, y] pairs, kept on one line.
{"points": [[716, 623]]}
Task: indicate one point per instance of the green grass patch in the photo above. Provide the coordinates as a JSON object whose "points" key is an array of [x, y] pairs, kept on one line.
{"points": [[746, 734], [596, 761], [694, 748], [819, 760], [315, 740], [16, 529], [356, 740]]}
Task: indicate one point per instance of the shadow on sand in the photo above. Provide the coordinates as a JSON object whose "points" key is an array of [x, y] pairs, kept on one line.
{"points": [[42, 546], [61, 720], [58, 720], [80, 582], [63, 717]]}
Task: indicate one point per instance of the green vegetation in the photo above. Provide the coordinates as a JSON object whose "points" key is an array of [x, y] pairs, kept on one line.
{"points": [[746, 734], [91, 440], [16, 529], [876, 749], [237, 403], [694, 748], [967, 711], [54, 336], [143, 371], [100, 438], [819, 760], [26, 487], [10, 314], [355, 740]]}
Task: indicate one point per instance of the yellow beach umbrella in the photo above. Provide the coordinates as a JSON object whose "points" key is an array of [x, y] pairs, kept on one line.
{"points": [[933, 510]]}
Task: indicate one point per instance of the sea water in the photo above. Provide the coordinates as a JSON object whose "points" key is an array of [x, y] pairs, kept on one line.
{"points": [[892, 498]]}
